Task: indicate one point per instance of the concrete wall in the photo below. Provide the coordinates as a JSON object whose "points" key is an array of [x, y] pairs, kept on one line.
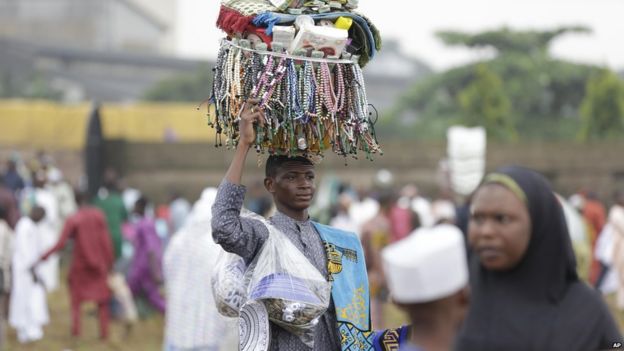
{"points": [[156, 167], [190, 167]]}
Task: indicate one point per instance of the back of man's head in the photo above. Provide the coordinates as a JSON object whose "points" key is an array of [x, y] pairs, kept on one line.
{"points": [[427, 272], [37, 213], [81, 197], [141, 205], [110, 179]]}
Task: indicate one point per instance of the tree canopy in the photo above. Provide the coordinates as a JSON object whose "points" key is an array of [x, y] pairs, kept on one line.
{"points": [[189, 87], [602, 109], [27, 85], [543, 92], [484, 103], [506, 40]]}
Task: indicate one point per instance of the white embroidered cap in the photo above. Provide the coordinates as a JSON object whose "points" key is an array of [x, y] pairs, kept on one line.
{"points": [[428, 265]]}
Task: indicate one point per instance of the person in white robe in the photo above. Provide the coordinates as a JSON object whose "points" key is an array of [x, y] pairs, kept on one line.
{"points": [[28, 308], [39, 195], [6, 256], [179, 210], [63, 193], [50, 231], [192, 320]]}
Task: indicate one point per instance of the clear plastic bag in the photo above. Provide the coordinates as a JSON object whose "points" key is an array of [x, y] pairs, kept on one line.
{"points": [[293, 291], [228, 284]]}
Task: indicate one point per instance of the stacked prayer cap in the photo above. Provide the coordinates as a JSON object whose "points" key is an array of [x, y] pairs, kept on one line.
{"points": [[443, 210], [466, 155], [427, 265], [302, 60]]}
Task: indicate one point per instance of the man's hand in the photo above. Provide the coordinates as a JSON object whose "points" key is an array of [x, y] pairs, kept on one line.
{"points": [[155, 269], [35, 276], [33, 272], [250, 115]]}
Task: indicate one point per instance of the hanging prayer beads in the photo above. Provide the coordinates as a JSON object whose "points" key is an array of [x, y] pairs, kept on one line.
{"points": [[310, 104]]}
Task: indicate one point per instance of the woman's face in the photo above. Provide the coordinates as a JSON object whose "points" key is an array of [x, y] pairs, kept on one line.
{"points": [[500, 227]]}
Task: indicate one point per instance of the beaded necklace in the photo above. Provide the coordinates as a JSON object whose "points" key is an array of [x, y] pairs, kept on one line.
{"points": [[308, 103], [294, 91]]}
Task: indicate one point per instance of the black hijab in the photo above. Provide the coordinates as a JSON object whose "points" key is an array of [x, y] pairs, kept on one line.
{"points": [[540, 304]]}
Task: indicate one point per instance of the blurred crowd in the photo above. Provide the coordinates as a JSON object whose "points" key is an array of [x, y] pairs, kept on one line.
{"points": [[117, 241], [134, 258], [386, 213]]}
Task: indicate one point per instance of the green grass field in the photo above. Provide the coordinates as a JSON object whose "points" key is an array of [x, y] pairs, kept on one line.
{"points": [[146, 335]]}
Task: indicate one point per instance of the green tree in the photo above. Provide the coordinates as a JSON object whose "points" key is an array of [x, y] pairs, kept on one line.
{"points": [[602, 109], [27, 85], [188, 87], [544, 93], [506, 40], [484, 103]]}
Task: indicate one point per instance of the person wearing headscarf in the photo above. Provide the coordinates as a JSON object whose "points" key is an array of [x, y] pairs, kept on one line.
{"points": [[525, 292]]}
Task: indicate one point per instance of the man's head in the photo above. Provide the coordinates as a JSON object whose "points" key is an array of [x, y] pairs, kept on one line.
{"points": [[11, 165], [55, 176], [39, 179], [291, 182], [409, 191], [111, 179], [81, 197], [427, 274], [140, 206], [37, 213], [386, 198]]}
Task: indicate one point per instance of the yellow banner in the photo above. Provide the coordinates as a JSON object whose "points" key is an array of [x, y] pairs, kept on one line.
{"points": [[43, 124]]}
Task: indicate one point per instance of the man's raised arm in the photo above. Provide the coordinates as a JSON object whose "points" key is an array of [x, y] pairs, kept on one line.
{"points": [[242, 236]]}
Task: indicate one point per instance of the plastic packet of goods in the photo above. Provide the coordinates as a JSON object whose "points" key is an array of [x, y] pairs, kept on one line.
{"points": [[228, 284], [294, 292]]}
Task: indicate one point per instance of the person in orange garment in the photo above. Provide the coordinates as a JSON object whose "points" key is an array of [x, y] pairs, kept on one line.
{"points": [[92, 261], [596, 214]]}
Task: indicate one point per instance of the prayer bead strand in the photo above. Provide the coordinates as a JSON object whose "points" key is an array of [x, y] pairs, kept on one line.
{"points": [[306, 102]]}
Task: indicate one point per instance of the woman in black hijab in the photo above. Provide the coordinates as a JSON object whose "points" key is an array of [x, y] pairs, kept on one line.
{"points": [[525, 292]]}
